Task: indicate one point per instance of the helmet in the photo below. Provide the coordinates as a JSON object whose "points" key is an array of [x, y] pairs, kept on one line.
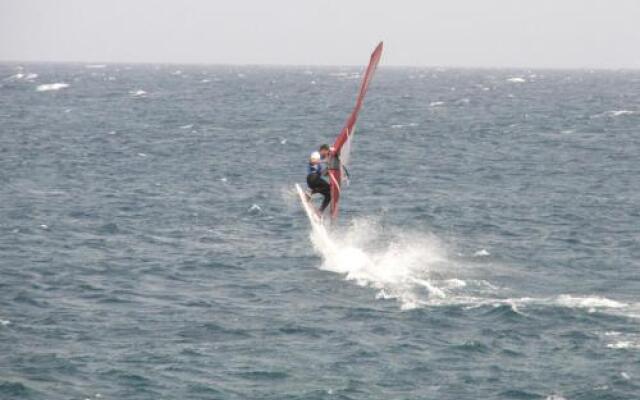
{"points": [[315, 156]]}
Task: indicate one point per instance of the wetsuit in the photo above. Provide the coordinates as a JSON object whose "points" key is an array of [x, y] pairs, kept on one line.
{"points": [[318, 185]]}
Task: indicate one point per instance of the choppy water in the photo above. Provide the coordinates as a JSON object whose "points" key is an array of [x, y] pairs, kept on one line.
{"points": [[152, 246]]}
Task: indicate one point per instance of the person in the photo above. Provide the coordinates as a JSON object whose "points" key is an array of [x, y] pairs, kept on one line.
{"points": [[325, 152], [315, 176]]}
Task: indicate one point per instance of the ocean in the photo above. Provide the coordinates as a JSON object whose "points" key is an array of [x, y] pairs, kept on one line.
{"points": [[152, 245]]}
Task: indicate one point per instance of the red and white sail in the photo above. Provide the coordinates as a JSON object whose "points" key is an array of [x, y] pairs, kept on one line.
{"points": [[338, 176]]}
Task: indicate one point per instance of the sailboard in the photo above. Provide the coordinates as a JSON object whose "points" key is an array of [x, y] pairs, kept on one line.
{"points": [[309, 209], [340, 153], [341, 150]]}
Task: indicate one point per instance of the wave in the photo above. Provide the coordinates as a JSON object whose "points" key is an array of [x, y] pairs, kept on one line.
{"points": [[21, 76], [51, 87], [617, 113], [137, 93], [415, 269]]}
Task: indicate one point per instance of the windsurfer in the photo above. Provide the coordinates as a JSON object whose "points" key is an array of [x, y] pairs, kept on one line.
{"points": [[316, 172]]}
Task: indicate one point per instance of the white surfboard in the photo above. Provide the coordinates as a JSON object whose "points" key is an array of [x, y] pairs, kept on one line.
{"points": [[311, 211]]}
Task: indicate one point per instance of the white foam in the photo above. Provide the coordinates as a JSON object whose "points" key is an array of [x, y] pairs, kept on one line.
{"points": [[21, 76], [624, 344], [51, 86], [4, 322], [398, 266], [436, 103], [618, 113], [591, 303], [414, 269], [400, 126], [137, 93], [516, 80], [188, 126], [481, 253]]}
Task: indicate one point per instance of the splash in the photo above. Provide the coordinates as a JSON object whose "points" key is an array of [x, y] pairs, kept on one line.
{"points": [[403, 266], [415, 269]]}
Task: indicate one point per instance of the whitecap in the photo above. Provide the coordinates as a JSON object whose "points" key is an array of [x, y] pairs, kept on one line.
{"points": [[481, 253], [137, 93], [95, 66], [142, 154], [188, 126], [436, 103], [51, 86], [617, 113], [516, 80], [624, 344], [400, 126], [4, 322], [14, 77], [255, 208], [589, 302]]}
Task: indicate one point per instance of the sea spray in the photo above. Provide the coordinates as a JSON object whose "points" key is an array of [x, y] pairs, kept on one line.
{"points": [[399, 265]]}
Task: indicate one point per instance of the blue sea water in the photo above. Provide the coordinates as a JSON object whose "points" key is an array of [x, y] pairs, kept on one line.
{"points": [[152, 246]]}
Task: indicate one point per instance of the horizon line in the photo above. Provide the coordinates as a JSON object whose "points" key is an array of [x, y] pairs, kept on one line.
{"points": [[294, 65]]}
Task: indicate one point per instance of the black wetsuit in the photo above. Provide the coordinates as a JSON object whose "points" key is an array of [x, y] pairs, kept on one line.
{"points": [[319, 185]]}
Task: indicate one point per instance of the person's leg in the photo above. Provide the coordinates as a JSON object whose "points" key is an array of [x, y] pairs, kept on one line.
{"points": [[325, 190], [312, 182]]}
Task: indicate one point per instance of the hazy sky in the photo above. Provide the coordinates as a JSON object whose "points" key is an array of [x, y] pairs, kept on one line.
{"points": [[521, 33]]}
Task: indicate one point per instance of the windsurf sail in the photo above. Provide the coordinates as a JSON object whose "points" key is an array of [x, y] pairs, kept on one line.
{"points": [[341, 152]]}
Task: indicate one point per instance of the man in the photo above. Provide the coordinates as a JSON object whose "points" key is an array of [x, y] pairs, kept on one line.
{"points": [[317, 170]]}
